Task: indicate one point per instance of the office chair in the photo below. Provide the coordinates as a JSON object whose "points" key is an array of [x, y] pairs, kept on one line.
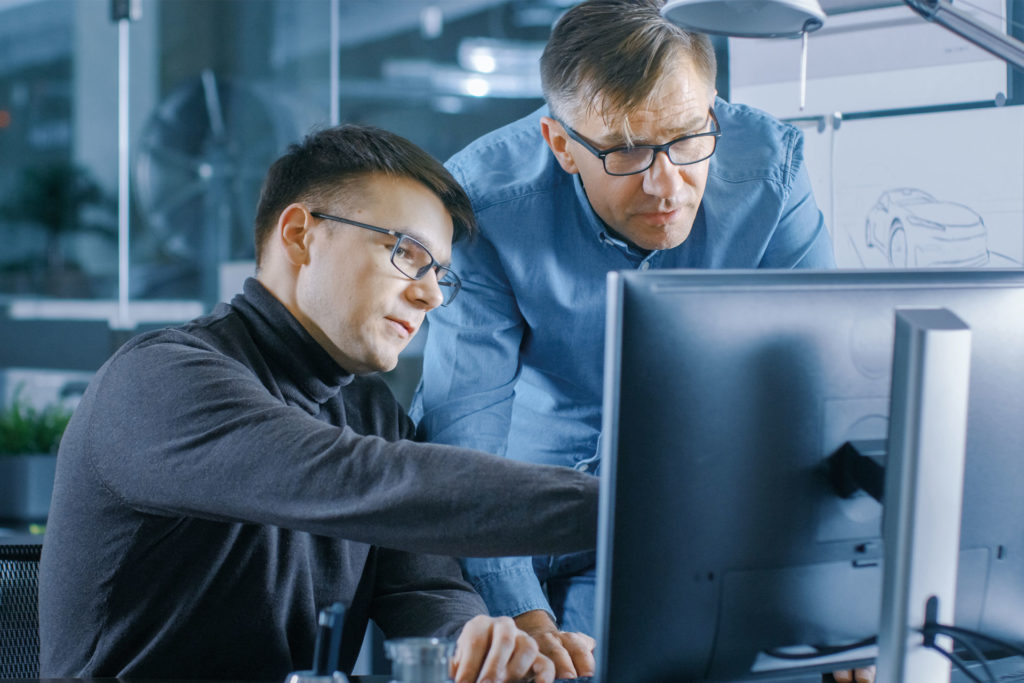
{"points": [[19, 610]]}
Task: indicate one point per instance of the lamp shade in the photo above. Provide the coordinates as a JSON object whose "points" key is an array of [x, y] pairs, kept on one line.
{"points": [[746, 18]]}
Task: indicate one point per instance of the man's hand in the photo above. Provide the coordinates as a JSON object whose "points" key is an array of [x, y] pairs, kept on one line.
{"points": [[493, 649], [859, 676], [572, 653]]}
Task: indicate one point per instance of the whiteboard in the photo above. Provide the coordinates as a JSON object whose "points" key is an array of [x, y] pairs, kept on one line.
{"points": [[928, 190], [870, 60]]}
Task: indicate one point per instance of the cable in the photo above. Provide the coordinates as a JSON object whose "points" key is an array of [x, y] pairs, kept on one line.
{"points": [[959, 664], [967, 643], [929, 632], [967, 633]]}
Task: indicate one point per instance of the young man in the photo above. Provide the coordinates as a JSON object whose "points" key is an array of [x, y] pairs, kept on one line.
{"points": [[633, 163], [223, 481]]}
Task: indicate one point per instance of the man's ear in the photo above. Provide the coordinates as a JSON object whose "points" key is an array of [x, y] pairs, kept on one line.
{"points": [[558, 141], [293, 229]]}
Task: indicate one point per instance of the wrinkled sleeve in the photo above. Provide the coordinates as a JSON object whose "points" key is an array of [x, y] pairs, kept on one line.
{"points": [[801, 239], [508, 585], [470, 368], [471, 359], [421, 594]]}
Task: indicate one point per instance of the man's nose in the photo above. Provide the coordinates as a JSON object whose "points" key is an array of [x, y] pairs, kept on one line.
{"points": [[663, 178], [426, 292]]}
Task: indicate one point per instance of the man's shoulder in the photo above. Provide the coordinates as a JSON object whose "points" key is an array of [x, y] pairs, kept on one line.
{"points": [[507, 163], [747, 120], [198, 332], [754, 144], [154, 350]]}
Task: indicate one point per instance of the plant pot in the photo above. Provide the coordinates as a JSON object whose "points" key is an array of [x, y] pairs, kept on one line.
{"points": [[26, 486]]}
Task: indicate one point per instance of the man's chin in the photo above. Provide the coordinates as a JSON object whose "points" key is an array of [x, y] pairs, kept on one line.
{"points": [[383, 365], [659, 239], [656, 235], [373, 364]]}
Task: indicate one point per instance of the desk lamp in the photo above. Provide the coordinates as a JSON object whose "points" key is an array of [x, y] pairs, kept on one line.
{"points": [[793, 18], [747, 18], [751, 19]]}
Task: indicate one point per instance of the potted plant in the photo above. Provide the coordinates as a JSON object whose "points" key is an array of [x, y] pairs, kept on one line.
{"points": [[28, 457]]}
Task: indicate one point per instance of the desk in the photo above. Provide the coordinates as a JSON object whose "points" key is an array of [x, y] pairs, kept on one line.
{"points": [[353, 679], [1008, 670]]}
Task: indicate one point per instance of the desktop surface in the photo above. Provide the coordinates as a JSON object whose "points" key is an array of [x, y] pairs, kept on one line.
{"points": [[1008, 670]]}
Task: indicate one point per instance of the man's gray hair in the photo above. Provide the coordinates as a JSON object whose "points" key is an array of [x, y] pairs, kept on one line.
{"points": [[610, 56]]}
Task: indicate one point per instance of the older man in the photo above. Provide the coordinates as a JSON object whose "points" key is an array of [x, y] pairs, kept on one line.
{"points": [[634, 163]]}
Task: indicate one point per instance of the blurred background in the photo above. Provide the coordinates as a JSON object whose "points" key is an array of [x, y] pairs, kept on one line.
{"points": [[215, 91], [173, 109]]}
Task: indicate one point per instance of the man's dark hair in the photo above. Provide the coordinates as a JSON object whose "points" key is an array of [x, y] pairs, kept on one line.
{"points": [[610, 56], [330, 162]]}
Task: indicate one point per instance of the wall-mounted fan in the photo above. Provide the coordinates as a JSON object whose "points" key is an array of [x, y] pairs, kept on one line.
{"points": [[201, 159]]}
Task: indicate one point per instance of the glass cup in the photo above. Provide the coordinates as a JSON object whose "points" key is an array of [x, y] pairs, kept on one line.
{"points": [[313, 677], [419, 660]]}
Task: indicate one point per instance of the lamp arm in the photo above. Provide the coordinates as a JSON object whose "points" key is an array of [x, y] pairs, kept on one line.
{"points": [[998, 43]]}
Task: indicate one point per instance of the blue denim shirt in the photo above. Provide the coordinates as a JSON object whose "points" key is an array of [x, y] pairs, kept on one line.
{"points": [[514, 366]]}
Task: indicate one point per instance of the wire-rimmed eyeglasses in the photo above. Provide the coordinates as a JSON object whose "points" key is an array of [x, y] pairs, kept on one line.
{"points": [[410, 257], [631, 159]]}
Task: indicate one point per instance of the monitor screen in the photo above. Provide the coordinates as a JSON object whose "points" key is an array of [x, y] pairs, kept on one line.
{"points": [[722, 540]]}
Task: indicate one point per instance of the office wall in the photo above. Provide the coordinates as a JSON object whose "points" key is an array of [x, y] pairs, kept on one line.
{"points": [[914, 136]]}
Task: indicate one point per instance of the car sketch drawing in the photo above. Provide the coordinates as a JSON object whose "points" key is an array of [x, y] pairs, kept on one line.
{"points": [[913, 228]]}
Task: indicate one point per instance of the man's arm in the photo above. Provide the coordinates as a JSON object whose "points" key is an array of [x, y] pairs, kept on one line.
{"points": [[416, 594], [180, 420], [801, 239]]}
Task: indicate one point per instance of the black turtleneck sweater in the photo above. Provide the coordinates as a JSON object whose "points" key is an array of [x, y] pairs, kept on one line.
{"points": [[221, 482]]}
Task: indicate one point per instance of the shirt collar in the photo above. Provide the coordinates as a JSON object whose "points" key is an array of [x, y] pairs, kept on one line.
{"points": [[602, 230], [287, 344]]}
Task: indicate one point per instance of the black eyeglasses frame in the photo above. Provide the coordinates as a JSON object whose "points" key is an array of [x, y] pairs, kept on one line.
{"points": [[441, 271], [602, 154]]}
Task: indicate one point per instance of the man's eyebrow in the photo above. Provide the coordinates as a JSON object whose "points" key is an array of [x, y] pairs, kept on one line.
{"points": [[425, 241], [691, 127]]}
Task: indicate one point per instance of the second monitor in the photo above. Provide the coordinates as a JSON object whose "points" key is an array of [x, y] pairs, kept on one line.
{"points": [[723, 542]]}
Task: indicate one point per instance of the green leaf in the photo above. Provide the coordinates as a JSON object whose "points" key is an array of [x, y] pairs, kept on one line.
{"points": [[26, 429]]}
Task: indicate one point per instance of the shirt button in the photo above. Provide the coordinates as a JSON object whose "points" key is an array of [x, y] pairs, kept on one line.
{"points": [[645, 265], [584, 468]]}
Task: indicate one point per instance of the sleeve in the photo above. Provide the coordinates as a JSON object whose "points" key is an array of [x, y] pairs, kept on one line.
{"points": [[471, 364], [471, 357], [421, 594], [187, 431], [508, 585], [801, 239]]}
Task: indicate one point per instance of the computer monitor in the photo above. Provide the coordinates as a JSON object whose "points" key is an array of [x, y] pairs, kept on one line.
{"points": [[722, 540]]}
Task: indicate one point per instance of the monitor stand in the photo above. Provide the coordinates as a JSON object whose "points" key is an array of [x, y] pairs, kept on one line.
{"points": [[923, 491]]}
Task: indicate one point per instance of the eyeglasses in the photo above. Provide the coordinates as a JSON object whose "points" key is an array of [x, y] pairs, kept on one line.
{"points": [[410, 258], [631, 159]]}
